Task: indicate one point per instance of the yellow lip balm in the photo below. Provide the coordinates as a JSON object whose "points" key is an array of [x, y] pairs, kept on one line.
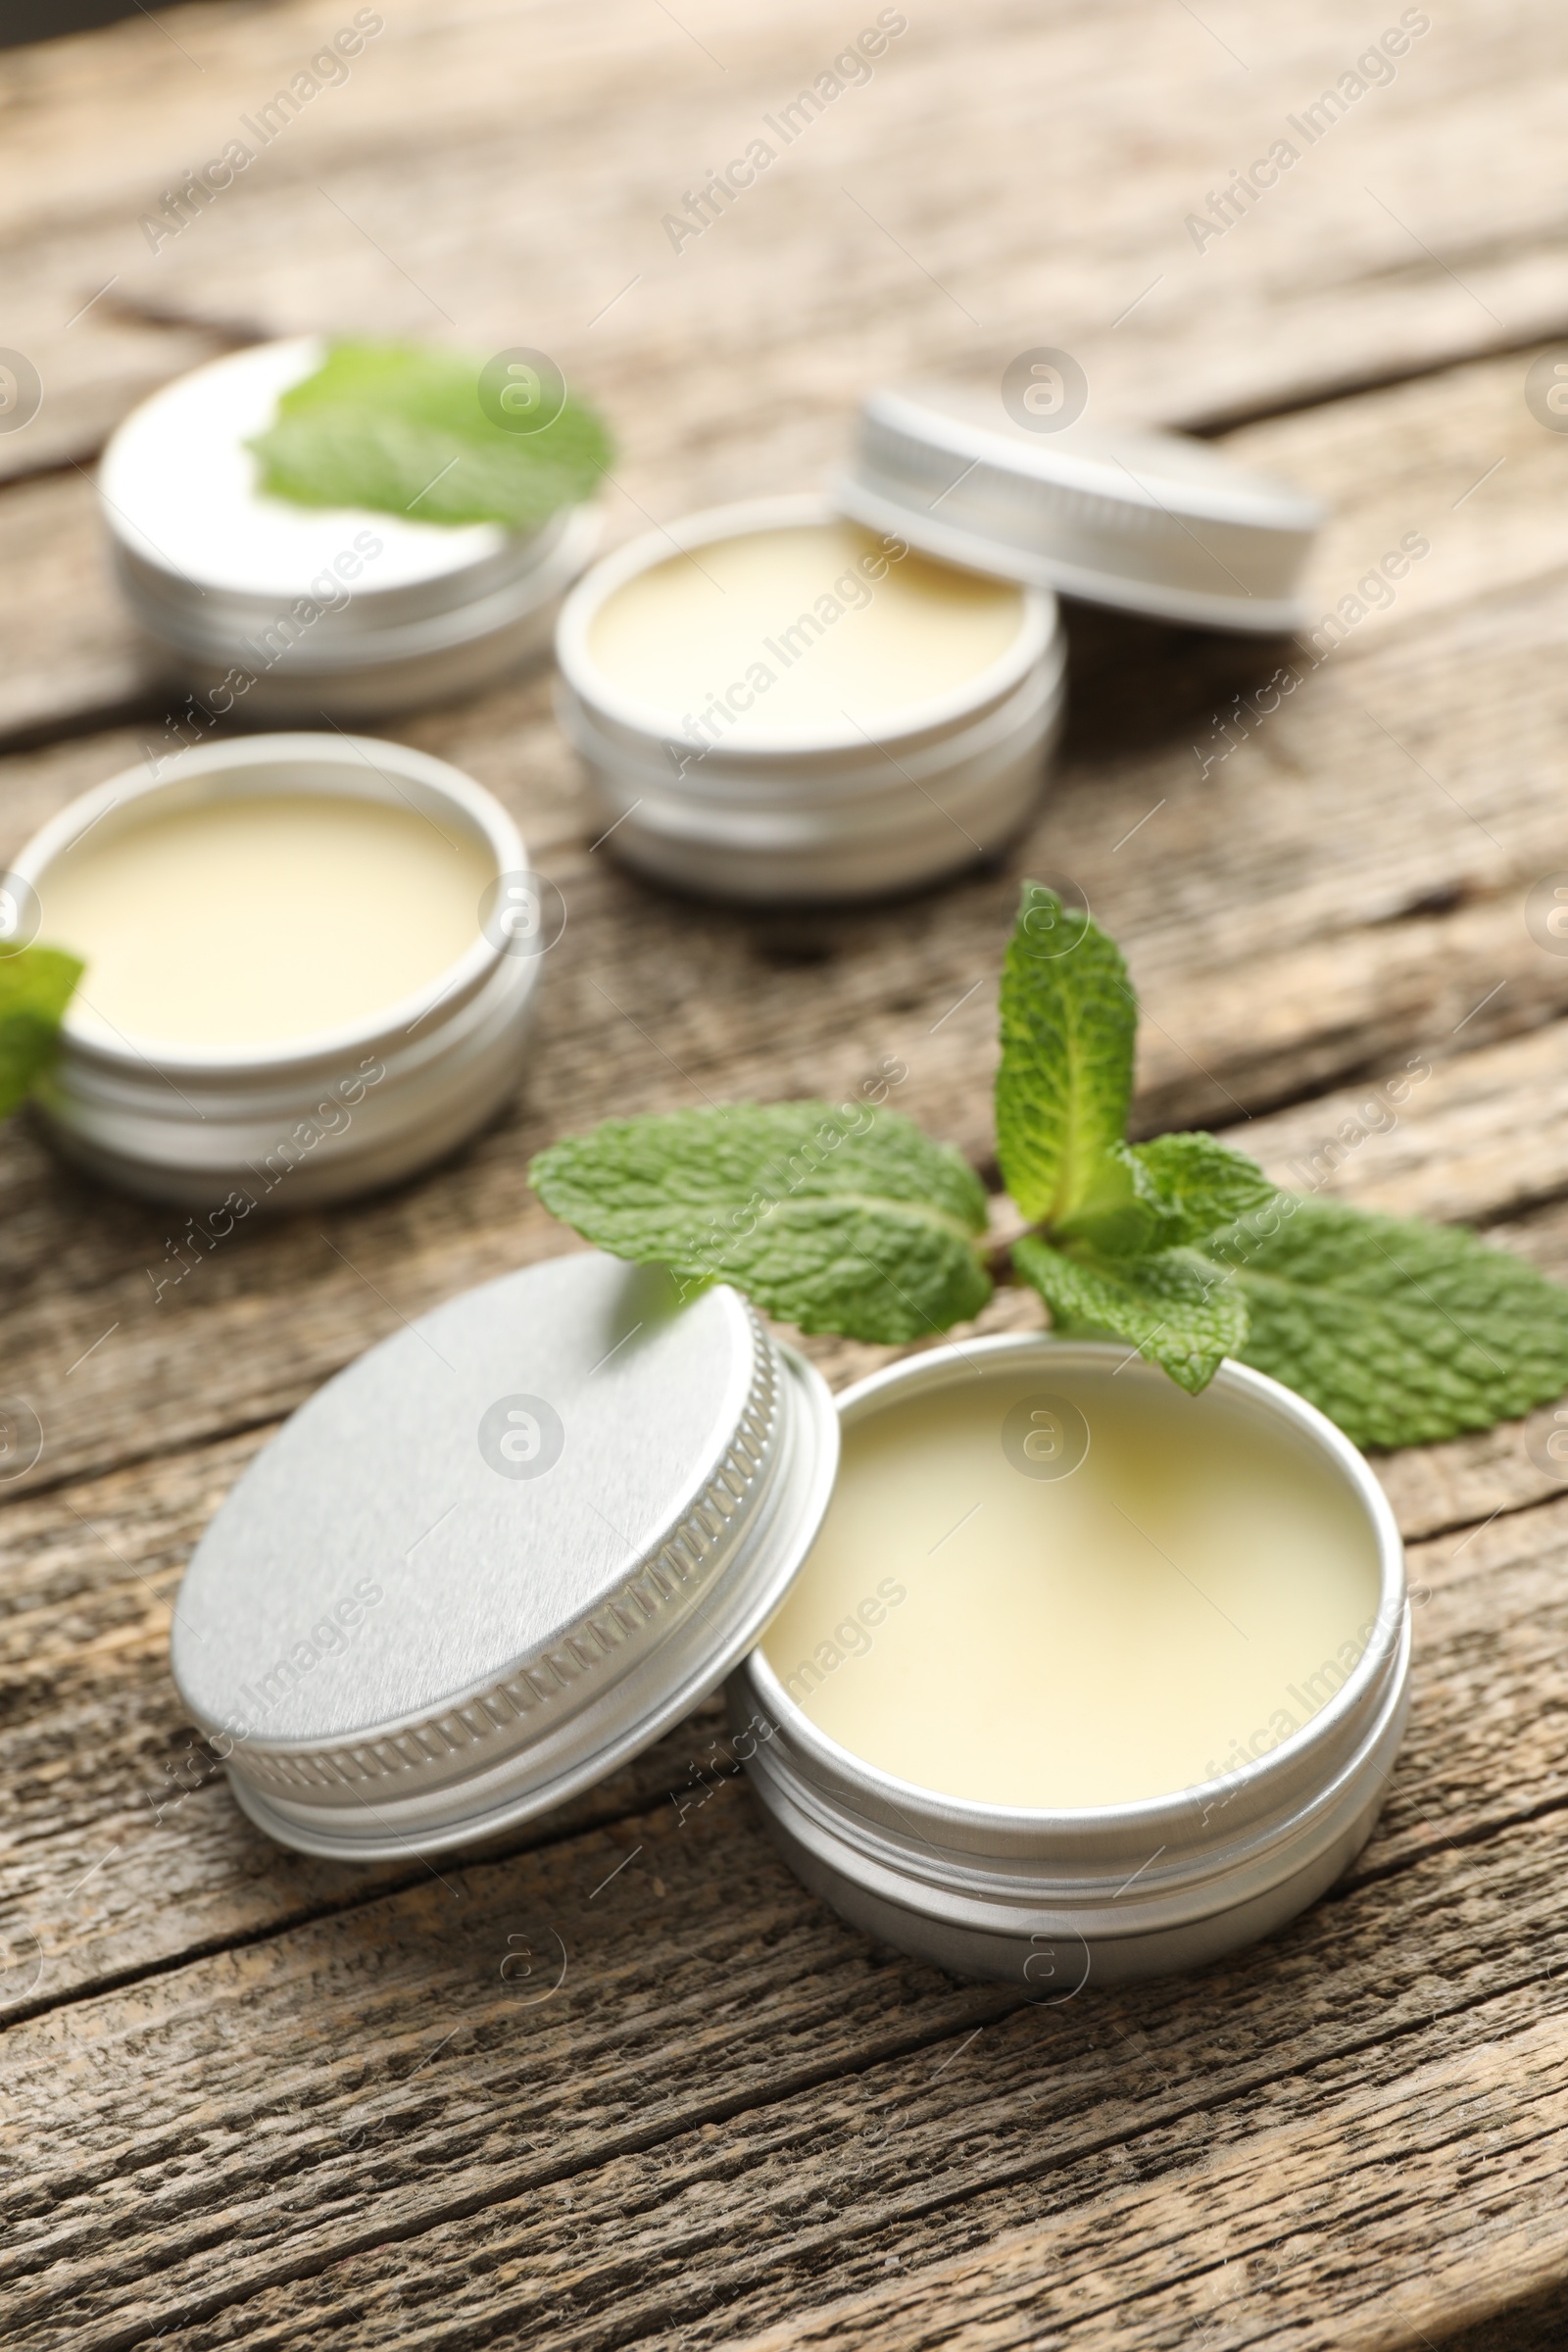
{"points": [[263, 917], [801, 626], [1080, 1592]]}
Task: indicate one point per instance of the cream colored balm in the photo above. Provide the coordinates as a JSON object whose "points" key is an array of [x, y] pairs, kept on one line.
{"points": [[808, 626], [259, 918], [1090, 1594]]}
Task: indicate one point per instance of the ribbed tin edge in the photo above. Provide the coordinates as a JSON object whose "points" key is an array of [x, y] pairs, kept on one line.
{"points": [[428, 1750], [591, 1707], [879, 510], [186, 1124], [1224, 551], [808, 815], [1146, 1887]]}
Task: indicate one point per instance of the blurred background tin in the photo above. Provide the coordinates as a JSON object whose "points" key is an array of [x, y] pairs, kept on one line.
{"points": [[312, 1118], [840, 812], [1150, 522], [268, 611]]}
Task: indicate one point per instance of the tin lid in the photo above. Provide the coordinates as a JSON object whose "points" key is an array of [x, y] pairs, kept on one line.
{"points": [[500, 1554], [1150, 522], [202, 556]]}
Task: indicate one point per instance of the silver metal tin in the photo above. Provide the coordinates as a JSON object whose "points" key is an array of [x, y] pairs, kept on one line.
{"points": [[317, 1118], [808, 815], [1148, 522], [434, 611], [1052, 1900], [499, 1555]]}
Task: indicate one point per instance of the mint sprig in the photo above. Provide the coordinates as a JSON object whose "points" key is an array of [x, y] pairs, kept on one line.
{"points": [[400, 428], [35, 987], [1400, 1331]]}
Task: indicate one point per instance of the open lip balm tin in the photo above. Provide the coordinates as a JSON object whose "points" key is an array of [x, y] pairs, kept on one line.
{"points": [[269, 611], [516, 1542], [500, 1554], [1145, 521], [744, 740], [326, 1108], [1054, 1898]]}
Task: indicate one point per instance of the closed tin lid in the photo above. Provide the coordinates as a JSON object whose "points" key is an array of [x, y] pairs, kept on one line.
{"points": [[204, 558], [1145, 522], [500, 1554]]}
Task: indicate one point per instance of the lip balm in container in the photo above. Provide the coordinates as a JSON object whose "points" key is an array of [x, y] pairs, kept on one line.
{"points": [[772, 705], [1085, 1679], [310, 965], [270, 610], [1152, 522], [500, 1554]]}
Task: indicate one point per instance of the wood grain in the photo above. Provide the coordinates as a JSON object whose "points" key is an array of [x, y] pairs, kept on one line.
{"points": [[253, 2098], [1325, 901], [1059, 193], [1306, 2231]]}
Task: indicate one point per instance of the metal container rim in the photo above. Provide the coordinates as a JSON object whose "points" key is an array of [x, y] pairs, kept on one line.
{"points": [[1117, 591], [678, 1671], [1038, 629], [233, 757], [186, 590], [943, 1367], [1236, 494]]}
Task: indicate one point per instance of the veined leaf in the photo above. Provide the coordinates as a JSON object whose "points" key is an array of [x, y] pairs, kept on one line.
{"points": [[836, 1218], [1177, 1308], [400, 428], [1068, 1020]]}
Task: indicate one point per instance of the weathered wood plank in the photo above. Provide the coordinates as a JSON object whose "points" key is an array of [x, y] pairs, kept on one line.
{"points": [[275, 254], [707, 1989], [127, 1853], [1317, 2239], [1482, 1136], [124, 1848], [572, 135], [1266, 908], [285, 2103]]}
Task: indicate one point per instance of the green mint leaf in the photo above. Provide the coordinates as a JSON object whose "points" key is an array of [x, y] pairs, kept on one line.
{"points": [[1165, 1194], [1130, 1217], [35, 987], [1068, 1020], [1400, 1331], [842, 1218], [1175, 1308], [1206, 1183], [399, 427]]}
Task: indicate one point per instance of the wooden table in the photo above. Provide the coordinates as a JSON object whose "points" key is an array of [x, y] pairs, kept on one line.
{"points": [[253, 2099]]}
